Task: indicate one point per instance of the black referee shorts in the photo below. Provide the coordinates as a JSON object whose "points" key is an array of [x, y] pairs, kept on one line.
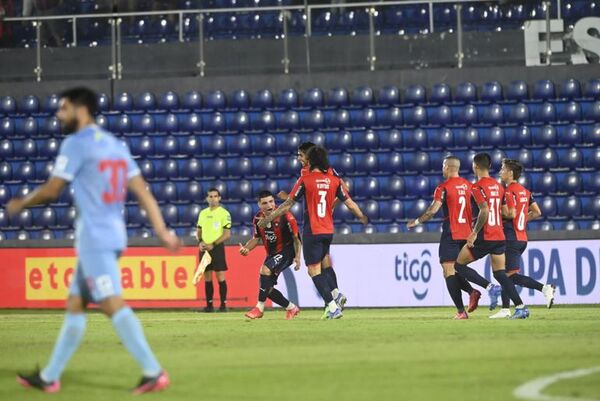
{"points": [[218, 264]]}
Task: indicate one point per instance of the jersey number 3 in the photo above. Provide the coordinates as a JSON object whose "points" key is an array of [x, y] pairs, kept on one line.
{"points": [[117, 180], [322, 205]]}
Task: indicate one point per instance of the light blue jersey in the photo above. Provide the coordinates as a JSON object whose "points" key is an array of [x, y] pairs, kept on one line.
{"points": [[98, 166]]}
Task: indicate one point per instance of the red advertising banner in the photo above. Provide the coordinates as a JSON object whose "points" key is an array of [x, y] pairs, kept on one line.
{"points": [[151, 277]]}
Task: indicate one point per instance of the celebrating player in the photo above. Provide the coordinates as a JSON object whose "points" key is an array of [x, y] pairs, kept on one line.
{"points": [[487, 237], [282, 244], [519, 209], [327, 265], [100, 170], [455, 195], [319, 191]]}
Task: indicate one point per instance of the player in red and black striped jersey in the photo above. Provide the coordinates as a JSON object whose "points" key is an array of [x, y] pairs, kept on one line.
{"points": [[327, 265], [454, 197], [520, 208], [487, 237], [282, 243], [319, 191]]}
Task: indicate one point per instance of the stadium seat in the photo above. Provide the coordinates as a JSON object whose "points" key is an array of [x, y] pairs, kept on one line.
{"points": [[591, 158], [169, 101], [570, 158], [5, 172], [6, 149], [141, 146], [466, 115], [570, 112], [415, 94], [441, 138], [366, 118], [338, 97], [568, 206], [7, 128], [544, 90], [192, 101], [548, 206], [492, 137], [190, 192], [51, 127], [123, 102], [415, 116], [441, 115], [466, 92], [592, 89], [440, 93], [365, 140], [570, 89], [570, 183], [240, 99], [29, 105], [50, 105], [545, 158], [570, 135], [518, 114], [493, 115], [391, 117], [492, 92], [145, 102], [544, 114], [390, 140], [313, 98], [517, 91], [8, 105], [593, 112], [417, 186], [362, 97], [263, 99], [215, 100], [48, 149], [288, 98], [388, 96], [27, 127]]}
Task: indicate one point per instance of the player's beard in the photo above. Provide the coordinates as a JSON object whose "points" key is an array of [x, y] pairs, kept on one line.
{"points": [[69, 127]]}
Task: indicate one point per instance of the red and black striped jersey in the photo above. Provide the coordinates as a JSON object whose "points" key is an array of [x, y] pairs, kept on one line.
{"points": [[280, 233]]}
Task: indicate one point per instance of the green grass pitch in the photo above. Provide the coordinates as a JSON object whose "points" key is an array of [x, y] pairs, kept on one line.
{"points": [[385, 354]]}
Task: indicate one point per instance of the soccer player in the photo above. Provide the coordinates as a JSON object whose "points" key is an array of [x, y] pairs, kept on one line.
{"points": [[213, 229], [454, 195], [327, 265], [319, 190], [519, 209], [282, 243], [487, 237], [100, 169]]}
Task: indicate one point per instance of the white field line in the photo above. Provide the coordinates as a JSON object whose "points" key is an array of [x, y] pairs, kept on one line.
{"points": [[532, 390]]}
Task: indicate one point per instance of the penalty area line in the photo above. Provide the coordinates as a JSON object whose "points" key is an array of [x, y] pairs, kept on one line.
{"points": [[532, 390]]}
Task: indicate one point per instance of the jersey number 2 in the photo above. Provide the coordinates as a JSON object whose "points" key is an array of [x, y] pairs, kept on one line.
{"points": [[118, 173], [322, 205], [461, 215]]}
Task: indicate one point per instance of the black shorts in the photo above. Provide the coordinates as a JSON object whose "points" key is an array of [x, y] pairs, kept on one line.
{"points": [[315, 247], [280, 261], [449, 249], [218, 264], [514, 250], [483, 248]]}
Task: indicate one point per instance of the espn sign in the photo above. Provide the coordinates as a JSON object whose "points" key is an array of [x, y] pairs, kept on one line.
{"points": [[584, 35], [142, 278]]}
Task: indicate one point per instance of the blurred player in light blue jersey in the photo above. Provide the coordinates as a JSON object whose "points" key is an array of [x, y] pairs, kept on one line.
{"points": [[100, 169]]}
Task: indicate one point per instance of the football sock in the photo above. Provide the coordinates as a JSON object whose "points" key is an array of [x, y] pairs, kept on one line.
{"points": [[223, 292], [464, 284], [209, 291], [266, 283], [526, 281], [67, 343], [471, 275], [331, 278], [323, 287], [261, 306], [130, 331], [276, 296], [332, 306], [505, 300], [290, 306], [454, 289], [508, 286]]}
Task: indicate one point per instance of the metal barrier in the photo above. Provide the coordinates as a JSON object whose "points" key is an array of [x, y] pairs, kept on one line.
{"points": [[115, 20]]}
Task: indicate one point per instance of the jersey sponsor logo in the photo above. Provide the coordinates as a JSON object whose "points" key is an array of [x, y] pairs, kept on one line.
{"points": [[142, 278], [270, 236], [416, 271]]}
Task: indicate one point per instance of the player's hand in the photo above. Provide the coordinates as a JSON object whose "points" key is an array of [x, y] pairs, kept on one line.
{"points": [[471, 240], [364, 220], [263, 223], [411, 224], [243, 250], [203, 246], [14, 206], [169, 240], [297, 264], [282, 195]]}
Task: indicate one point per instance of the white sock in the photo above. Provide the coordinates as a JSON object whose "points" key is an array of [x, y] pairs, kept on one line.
{"points": [[505, 310], [260, 306], [335, 292], [489, 287], [332, 306], [290, 306], [520, 306]]}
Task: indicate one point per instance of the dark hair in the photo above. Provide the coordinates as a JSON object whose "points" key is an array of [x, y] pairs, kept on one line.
{"points": [[306, 146], [213, 189], [483, 161], [82, 96], [264, 194], [317, 158], [514, 166]]}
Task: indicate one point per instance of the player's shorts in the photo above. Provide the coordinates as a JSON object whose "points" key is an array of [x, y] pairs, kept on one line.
{"points": [[218, 264], [483, 248], [514, 250], [315, 247], [97, 276], [280, 261], [449, 249]]}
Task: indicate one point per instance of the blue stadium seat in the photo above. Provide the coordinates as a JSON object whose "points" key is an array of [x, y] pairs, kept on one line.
{"points": [[288, 120], [544, 90], [166, 192], [27, 127], [338, 97], [102, 121], [26, 149], [8, 105], [390, 117], [545, 158], [313, 119], [192, 101], [518, 114], [492, 137], [413, 209], [288, 98], [543, 183], [169, 213], [366, 118], [466, 115], [265, 166], [492, 92], [570, 135], [466, 92], [5, 172], [120, 124], [517, 91], [190, 123], [51, 127], [169, 101], [441, 138], [570, 158], [591, 157], [313, 98], [362, 97], [49, 148], [415, 116], [141, 146], [123, 102], [166, 169], [240, 99], [440, 93], [338, 141], [548, 206], [25, 172], [366, 163], [290, 166], [144, 123], [239, 122], [29, 105], [371, 209], [593, 112], [570, 89], [388, 96], [265, 121], [441, 115], [166, 123], [592, 89], [517, 137], [391, 210], [215, 122], [215, 100], [263, 99], [6, 149], [239, 190], [493, 115], [571, 182], [417, 186], [569, 112], [365, 140], [390, 140], [50, 105], [415, 94], [147, 169], [145, 101], [591, 181], [545, 113], [365, 187], [568, 206], [318, 138], [7, 128], [191, 191]]}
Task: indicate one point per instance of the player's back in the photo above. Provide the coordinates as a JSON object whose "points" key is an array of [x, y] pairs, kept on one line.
{"points": [[520, 198], [319, 191], [489, 190], [455, 194], [103, 168]]}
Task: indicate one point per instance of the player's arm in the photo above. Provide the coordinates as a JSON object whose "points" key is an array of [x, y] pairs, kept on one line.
{"points": [[249, 246], [199, 234], [283, 195], [45, 193], [223, 238], [534, 212], [482, 217], [280, 211], [297, 251], [509, 208], [137, 185], [433, 208], [355, 210]]}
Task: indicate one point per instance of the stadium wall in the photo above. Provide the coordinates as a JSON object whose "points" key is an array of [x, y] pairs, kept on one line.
{"points": [[379, 270]]}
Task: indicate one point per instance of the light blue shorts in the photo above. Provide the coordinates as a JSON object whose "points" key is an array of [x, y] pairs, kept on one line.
{"points": [[97, 276]]}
